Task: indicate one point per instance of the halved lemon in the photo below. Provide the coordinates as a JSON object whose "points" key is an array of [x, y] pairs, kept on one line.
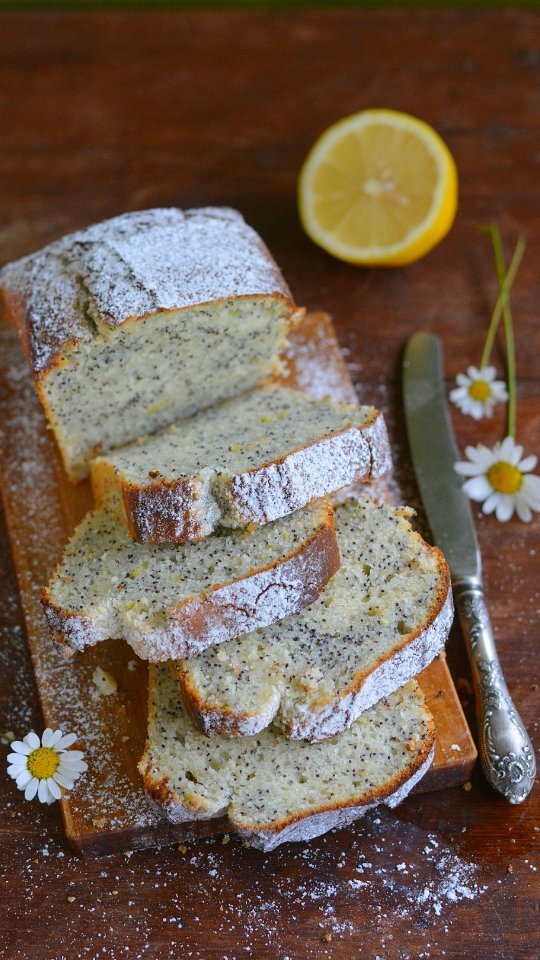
{"points": [[378, 188]]}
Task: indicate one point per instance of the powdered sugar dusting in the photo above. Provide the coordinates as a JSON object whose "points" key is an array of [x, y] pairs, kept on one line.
{"points": [[133, 265], [385, 890], [67, 694], [332, 463]]}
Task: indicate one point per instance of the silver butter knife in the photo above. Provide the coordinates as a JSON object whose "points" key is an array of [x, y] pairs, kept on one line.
{"points": [[506, 752]]}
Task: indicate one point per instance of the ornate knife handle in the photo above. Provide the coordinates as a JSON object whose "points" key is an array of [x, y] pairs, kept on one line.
{"points": [[506, 752]]}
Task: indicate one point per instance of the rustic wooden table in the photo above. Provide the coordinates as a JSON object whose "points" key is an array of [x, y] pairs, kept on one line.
{"points": [[107, 112]]}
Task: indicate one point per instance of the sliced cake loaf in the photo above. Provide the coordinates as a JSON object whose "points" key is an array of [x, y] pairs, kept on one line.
{"points": [[174, 600], [377, 624], [272, 790], [249, 460], [139, 321]]}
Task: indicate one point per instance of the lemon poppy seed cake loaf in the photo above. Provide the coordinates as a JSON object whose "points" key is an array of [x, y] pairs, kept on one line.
{"points": [[249, 460], [144, 319], [174, 600], [271, 790], [378, 623]]}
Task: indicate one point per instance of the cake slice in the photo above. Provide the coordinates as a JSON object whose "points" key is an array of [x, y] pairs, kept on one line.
{"points": [[249, 460], [378, 623], [173, 600], [272, 790], [141, 320]]}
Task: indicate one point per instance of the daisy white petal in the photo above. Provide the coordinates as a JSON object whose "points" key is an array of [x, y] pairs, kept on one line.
{"points": [[71, 756], [23, 778], [72, 769], [68, 773], [528, 463], [65, 741], [509, 451], [64, 781], [15, 772], [19, 747], [477, 488], [31, 789], [499, 391], [504, 508], [17, 759], [46, 737], [523, 511], [43, 792], [490, 503], [479, 410], [32, 740], [50, 737], [480, 454], [530, 491], [467, 469], [54, 789]]}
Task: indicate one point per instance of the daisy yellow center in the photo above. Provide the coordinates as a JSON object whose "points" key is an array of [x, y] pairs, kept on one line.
{"points": [[480, 390], [505, 477], [43, 762]]}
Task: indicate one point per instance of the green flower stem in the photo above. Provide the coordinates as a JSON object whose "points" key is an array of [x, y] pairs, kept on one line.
{"points": [[504, 287], [508, 326]]}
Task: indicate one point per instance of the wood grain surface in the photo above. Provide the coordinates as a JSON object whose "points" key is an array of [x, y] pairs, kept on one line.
{"points": [[113, 111]]}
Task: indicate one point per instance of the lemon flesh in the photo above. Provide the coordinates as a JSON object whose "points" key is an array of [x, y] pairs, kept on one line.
{"points": [[378, 188]]}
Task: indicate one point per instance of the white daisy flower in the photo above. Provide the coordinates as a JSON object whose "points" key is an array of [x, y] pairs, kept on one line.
{"points": [[498, 479], [478, 391], [43, 766]]}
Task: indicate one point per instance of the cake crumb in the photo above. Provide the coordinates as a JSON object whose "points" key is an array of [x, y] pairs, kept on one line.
{"points": [[104, 681], [326, 937], [467, 786]]}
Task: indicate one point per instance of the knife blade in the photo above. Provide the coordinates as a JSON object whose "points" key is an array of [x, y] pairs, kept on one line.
{"points": [[505, 750]]}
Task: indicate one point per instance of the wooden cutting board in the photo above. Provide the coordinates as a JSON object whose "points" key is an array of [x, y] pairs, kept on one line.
{"points": [[108, 812]]}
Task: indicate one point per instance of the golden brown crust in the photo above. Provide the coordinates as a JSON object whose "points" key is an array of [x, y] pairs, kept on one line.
{"points": [[153, 501]]}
